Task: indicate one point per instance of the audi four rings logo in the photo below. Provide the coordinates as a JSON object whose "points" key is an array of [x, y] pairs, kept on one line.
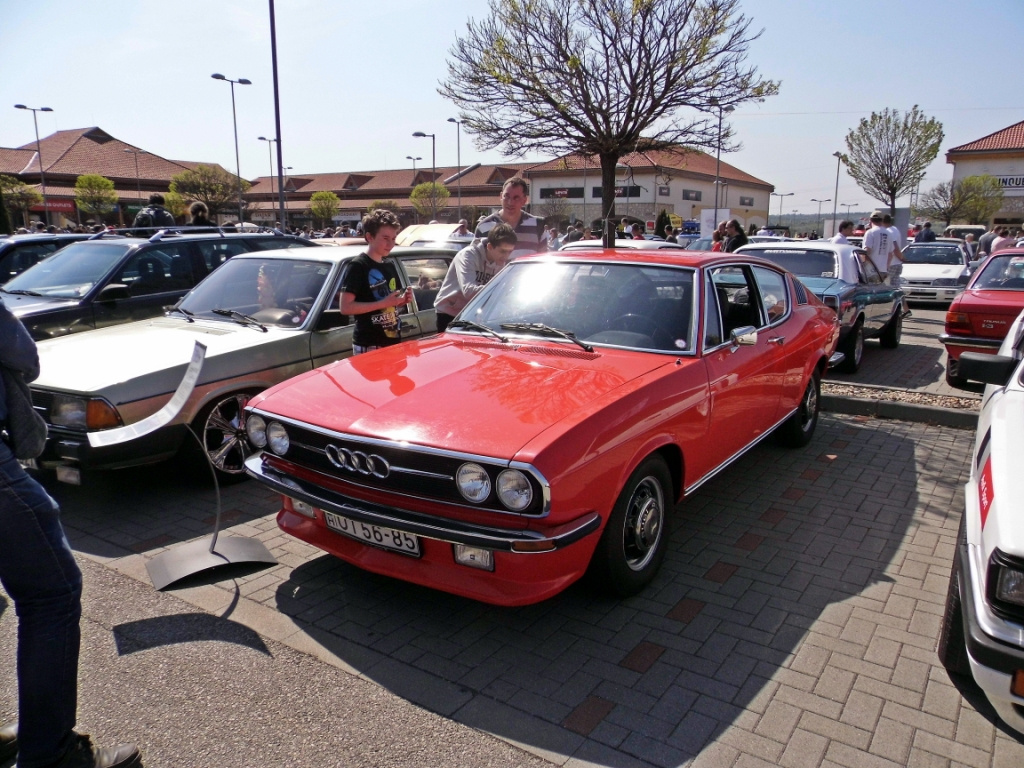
{"points": [[357, 461]]}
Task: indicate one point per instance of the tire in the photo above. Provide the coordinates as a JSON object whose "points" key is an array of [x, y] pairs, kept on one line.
{"points": [[890, 338], [634, 541], [952, 645], [798, 429], [953, 378], [220, 427], [853, 348]]}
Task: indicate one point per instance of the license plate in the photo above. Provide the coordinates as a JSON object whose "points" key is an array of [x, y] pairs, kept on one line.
{"points": [[377, 535]]}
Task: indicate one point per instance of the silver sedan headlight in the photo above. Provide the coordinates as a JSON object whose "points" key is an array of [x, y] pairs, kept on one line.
{"points": [[83, 413], [514, 490], [473, 482], [1010, 586], [277, 438], [256, 429]]}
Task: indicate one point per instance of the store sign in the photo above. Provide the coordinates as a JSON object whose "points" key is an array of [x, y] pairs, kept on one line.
{"points": [[263, 215], [60, 206], [664, 191], [1011, 182]]}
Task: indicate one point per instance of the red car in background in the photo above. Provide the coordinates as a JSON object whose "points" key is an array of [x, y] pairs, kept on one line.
{"points": [[553, 427], [978, 319]]}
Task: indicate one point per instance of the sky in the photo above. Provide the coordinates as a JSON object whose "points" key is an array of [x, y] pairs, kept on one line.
{"points": [[355, 84]]}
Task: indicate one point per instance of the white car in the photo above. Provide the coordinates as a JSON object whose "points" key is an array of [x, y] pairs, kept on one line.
{"points": [[982, 631], [263, 317], [936, 271]]}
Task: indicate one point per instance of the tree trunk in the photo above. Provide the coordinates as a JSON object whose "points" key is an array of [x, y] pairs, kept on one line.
{"points": [[608, 163]]}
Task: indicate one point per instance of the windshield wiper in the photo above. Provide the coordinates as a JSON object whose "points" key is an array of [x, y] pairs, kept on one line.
{"points": [[546, 330], [239, 317], [188, 315], [477, 327], [23, 293]]}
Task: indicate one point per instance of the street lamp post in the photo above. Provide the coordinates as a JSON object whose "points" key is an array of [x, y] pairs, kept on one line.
{"points": [[848, 206], [835, 205], [458, 158], [781, 195], [718, 151], [433, 166], [39, 154], [819, 202], [234, 119], [138, 184], [270, 157], [414, 159]]}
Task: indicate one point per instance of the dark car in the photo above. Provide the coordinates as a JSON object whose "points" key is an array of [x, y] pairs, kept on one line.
{"points": [[846, 280], [19, 252], [114, 279]]}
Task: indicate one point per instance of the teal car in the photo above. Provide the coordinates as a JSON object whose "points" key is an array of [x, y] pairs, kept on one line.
{"points": [[845, 279]]}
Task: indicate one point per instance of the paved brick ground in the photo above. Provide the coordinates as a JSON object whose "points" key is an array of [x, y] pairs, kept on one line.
{"points": [[792, 624], [918, 363]]}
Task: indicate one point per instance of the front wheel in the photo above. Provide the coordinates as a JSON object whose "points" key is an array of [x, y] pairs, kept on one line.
{"points": [[220, 427], [633, 544], [798, 429], [890, 338], [952, 645]]}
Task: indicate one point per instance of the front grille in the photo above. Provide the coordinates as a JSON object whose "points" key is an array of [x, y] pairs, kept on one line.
{"points": [[393, 468], [42, 402]]}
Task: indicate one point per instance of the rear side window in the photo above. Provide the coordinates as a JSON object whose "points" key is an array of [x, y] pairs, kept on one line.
{"points": [[425, 277], [274, 243], [216, 252], [774, 299], [20, 257]]}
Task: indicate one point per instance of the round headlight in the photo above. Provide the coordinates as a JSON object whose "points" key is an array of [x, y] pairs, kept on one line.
{"points": [[256, 429], [514, 490], [277, 438], [474, 482]]}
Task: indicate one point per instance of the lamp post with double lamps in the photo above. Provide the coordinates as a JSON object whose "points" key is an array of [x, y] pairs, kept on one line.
{"points": [[433, 168], [781, 195], [718, 150], [414, 159], [39, 155], [458, 158], [848, 207], [816, 221], [270, 157], [835, 205], [234, 120]]}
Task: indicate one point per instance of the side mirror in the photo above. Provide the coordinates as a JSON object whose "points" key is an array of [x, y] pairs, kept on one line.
{"points": [[989, 369], [746, 336], [113, 292]]}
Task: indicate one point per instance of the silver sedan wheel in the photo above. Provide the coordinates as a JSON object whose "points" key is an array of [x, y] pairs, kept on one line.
{"points": [[223, 434]]}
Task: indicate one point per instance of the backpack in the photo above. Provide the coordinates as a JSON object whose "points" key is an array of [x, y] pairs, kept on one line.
{"points": [[149, 218]]}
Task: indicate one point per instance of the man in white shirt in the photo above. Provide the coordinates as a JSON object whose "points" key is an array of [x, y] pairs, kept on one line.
{"points": [[845, 229], [881, 248]]}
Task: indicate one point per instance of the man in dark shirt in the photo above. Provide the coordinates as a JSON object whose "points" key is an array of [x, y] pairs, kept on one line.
{"points": [[735, 237], [370, 289]]}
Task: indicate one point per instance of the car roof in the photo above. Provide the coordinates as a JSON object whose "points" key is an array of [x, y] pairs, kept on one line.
{"points": [[675, 257], [336, 253], [40, 236], [800, 245], [625, 243]]}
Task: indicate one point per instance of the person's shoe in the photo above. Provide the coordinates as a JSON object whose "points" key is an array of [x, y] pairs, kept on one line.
{"points": [[84, 755], [8, 742]]}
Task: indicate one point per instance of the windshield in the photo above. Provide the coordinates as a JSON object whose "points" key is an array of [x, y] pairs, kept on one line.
{"points": [[700, 244], [932, 255], [1001, 272], [623, 305], [805, 263], [71, 271], [273, 291]]}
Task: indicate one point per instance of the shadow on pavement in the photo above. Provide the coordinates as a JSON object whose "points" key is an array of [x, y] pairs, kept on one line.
{"points": [[145, 634], [759, 555]]}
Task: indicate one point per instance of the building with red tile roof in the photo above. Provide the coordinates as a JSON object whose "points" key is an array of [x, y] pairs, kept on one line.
{"points": [[999, 154], [66, 155]]}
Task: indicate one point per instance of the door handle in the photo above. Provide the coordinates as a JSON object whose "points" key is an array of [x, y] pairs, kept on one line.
{"points": [[780, 340]]}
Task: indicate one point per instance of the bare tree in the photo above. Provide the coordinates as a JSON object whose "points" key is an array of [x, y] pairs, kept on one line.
{"points": [[943, 202], [889, 152], [972, 200], [603, 77]]}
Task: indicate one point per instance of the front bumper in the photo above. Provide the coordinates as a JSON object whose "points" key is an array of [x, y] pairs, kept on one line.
{"points": [[921, 293], [993, 662], [529, 564], [71, 448]]}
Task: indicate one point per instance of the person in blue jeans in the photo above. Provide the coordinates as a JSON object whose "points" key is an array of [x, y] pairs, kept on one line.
{"points": [[39, 573]]}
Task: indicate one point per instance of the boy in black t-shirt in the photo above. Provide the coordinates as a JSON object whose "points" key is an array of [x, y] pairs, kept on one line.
{"points": [[370, 291]]}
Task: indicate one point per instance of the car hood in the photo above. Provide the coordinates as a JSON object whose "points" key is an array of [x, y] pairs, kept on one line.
{"points": [[22, 306], [478, 397], [931, 271], [107, 361]]}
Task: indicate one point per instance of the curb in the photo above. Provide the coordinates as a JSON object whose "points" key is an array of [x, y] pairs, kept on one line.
{"points": [[892, 409]]}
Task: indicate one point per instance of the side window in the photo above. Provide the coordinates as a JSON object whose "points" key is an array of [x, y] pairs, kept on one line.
{"points": [[425, 276], [774, 298], [868, 271], [216, 252], [737, 298], [157, 270], [712, 316], [274, 243], [18, 259], [801, 291]]}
